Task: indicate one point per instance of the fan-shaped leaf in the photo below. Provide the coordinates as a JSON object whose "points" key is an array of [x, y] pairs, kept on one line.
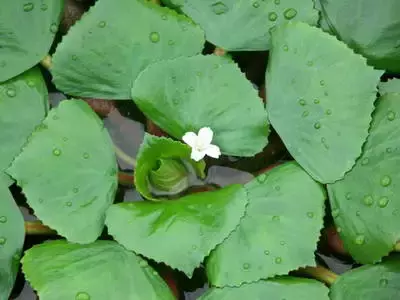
{"points": [[278, 233], [68, 171], [321, 115], [204, 91], [179, 232], [101, 270], [27, 29], [366, 202], [102, 54]]}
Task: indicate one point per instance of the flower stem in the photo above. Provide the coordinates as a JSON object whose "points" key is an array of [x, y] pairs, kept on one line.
{"points": [[125, 157], [37, 228], [46, 62], [126, 178], [320, 273]]}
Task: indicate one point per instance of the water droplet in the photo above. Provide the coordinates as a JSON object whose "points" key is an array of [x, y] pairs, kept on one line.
{"points": [[285, 48], [31, 83], [266, 252], [277, 2], [74, 57], [305, 113], [395, 212], [261, 178], [328, 112], [365, 161], [383, 202], [322, 82], [171, 43], [389, 150], [290, 13], [282, 243], [358, 213], [82, 296], [75, 190], [348, 196], [335, 212], [317, 125], [3, 219], [383, 282], [386, 180], [86, 155], [175, 101], [191, 89], [276, 218], [359, 240], [323, 141], [53, 28], [154, 37], [68, 203], [164, 17], [310, 63], [11, 92], [391, 115], [277, 188], [272, 29], [246, 266], [28, 6], [43, 6], [272, 16], [316, 101], [101, 24], [339, 229], [256, 4], [56, 152], [278, 260], [310, 214], [65, 139], [302, 102], [3, 240], [219, 8], [368, 200]]}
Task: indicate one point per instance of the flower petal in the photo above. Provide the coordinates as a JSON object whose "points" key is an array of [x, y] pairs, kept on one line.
{"points": [[190, 138], [197, 155], [206, 135], [213, 151]]}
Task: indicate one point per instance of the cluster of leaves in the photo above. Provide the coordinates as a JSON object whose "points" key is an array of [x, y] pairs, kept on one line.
{"points": [[326, 62]]}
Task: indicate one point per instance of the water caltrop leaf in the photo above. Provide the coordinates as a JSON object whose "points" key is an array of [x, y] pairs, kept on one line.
{"points": [[180, 232], [279, 232], [370, 282], [288, 288], [238, 25], [391, 86], [204, 91], [23, 106], [24, 43], [366, 202], [331, 112], [370, 27], [68, 171], [152, 150], [100, 270], [88, 63], [12, 235]]}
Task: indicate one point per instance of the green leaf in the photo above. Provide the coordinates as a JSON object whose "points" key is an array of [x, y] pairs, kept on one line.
{"points": [[101, 270], [391, 86], [366, 202], [238, 25], [204, 91], [102, 54], [279, 232], [370, 27], [179, 232], [12, 235], [23, 106], [321, 115], [371, 282], [152, 151], [288, 288], [68, 171], [27, 30]]}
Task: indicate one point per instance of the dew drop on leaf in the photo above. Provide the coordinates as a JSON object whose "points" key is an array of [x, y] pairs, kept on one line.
{"points": [[276, 218], [388, 150], [219, 8], [348, 196], [56, 152], [154, 37], [278, 260], [386, 180], [290, 13], [305, 113], [272, 16], [310, 214], [3, 240], [316, 101], [3, 219], [31, 83], [365, 161], [43, 6], [171, 43], [102, 24], [68, 203], [246, 266], [322, 82], [261, 178], [302, 102], [28, 6], [383, 282], [285, 48], [266, 252], [391, 115], [86, 155], [358, 213], [256, 4], [282, 243], [75, 190], [383, 202], [82, 296], [359, 240], [277, 2], [368, 200], [310, 63], [317, 125], [194, 247], [11, 92], [328, 112], [164, 17], [277, 188]]}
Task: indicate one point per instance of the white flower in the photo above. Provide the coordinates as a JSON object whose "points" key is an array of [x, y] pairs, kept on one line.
{"points": [[201, 144]]}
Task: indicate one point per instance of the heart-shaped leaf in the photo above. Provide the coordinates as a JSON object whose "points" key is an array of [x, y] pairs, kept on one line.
{"points": [[68, 171], [179, 232], [288, 288], [102, 54], [238, 25], [12, 235], [381, 281], [23, 106], [366, 202], [27, 30], [279, 232], [156, 149], [331, 112], [204, 91], [101, 270]]}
